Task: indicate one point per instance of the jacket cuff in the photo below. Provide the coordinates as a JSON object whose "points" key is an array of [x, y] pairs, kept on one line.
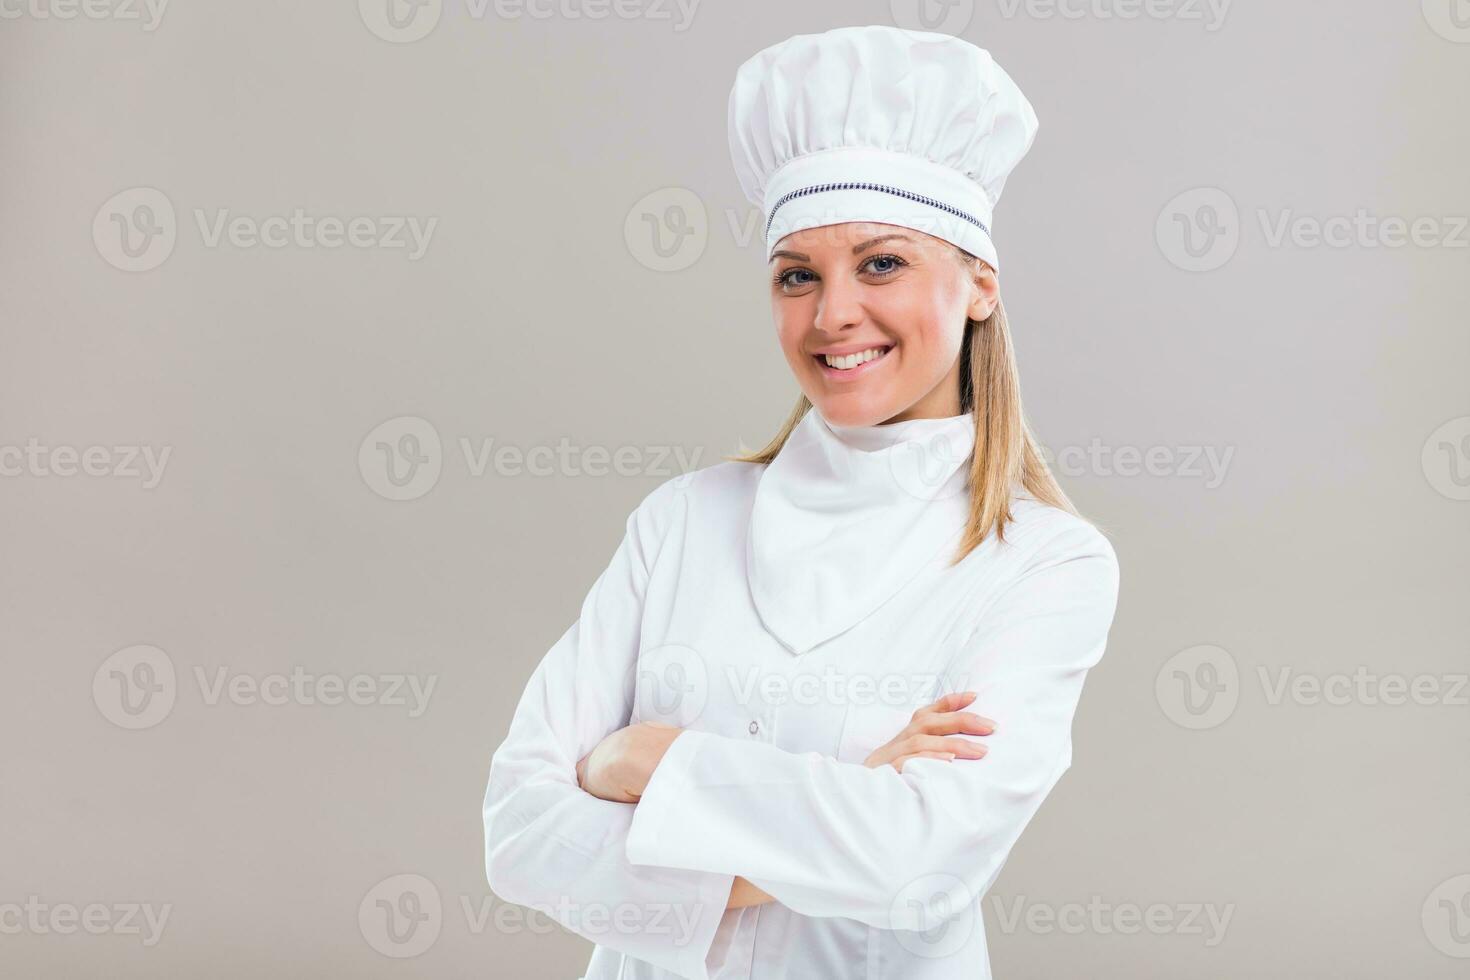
{"points": [[657, 808]]}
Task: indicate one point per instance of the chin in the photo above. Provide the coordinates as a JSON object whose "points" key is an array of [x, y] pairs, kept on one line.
{"points": [[854, 409]]}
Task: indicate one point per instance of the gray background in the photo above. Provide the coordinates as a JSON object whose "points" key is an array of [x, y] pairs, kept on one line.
{"points": [[1334, 541]]}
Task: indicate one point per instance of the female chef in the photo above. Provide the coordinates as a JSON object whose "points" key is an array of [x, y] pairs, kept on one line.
{"points": [[754, 753]]}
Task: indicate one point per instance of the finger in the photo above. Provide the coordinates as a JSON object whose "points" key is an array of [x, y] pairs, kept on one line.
{"points": [[966, 748], [951, 722], [881, 756], [899, 762], [950, 702], [962, 747]]}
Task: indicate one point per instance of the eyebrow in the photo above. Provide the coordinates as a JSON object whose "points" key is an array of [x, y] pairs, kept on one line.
{"points": [[856, 249]]}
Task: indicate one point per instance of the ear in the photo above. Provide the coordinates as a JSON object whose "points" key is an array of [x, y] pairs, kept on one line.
{"points": [[984, 291]]}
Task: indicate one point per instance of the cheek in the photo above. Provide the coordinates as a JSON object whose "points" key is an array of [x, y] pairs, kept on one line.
{"points": [[791, 329], [924, 331], [920, 314]]}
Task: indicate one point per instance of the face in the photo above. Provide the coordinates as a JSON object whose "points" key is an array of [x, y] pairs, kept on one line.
{"points": [[896, 298]]}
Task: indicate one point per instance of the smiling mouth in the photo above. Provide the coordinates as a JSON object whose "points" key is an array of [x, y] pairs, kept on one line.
{"points": [[851, 362]]}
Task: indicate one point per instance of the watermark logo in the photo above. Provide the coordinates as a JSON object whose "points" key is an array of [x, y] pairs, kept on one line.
{"points": [[934, 915], [1199, 230], [667, 230], [401, 21], [135, 230], [1446, 459], [401, 916], [136, 687], [672, 685], [1450, 19], [1446, 917], [402, 458], [932, 16], [932, 470], [1198, 687]]}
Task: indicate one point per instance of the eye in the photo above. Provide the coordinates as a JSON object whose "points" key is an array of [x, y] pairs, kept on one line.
{"points": [[792, 277], [881, 266], [890, 264]]}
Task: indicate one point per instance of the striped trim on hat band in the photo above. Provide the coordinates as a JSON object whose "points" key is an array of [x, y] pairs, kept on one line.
{"points": [[882, 188]]}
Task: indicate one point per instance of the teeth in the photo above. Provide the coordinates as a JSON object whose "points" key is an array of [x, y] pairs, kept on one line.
{"points": [[853, 360]]}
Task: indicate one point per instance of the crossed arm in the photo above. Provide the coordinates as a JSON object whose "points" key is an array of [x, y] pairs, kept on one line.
{"points": [[619, 767], [720, 823]]}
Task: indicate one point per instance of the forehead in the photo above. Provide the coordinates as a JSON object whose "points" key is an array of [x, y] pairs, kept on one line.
{"points": [[843, 236]]}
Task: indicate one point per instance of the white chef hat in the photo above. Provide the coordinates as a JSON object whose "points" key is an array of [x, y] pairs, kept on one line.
{"points": [[881, 124]]}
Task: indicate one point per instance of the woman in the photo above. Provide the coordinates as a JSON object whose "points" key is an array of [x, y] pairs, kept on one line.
{"points": [[760, 751]]}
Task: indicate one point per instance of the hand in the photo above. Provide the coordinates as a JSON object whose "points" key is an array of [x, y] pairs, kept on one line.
{"points": [[619, 767], [743, 895], [923, 737]]}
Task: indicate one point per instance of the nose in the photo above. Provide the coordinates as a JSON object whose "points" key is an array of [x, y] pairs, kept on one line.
{"points": [[840, 306]]}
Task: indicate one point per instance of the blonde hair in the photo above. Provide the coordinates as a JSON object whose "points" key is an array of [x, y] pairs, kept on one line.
{"points": [[1006, 453]]}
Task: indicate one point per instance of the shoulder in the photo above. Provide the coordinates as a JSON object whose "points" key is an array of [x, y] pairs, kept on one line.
{"points": [[1044, 538], [1056, 575], [1057, 533]]}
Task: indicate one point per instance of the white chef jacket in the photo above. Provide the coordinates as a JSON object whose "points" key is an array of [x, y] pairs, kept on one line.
{"points": [[790, 618]]}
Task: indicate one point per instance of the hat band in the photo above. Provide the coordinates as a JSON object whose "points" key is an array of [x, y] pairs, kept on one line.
{"points": [[882, 188], [845, 184]]}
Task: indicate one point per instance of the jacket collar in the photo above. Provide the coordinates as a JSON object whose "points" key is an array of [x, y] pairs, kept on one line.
{"points": [[845, 516]]}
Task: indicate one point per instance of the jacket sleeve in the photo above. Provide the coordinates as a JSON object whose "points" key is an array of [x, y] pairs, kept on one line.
{"points": [[550, 845], [900, 851]]}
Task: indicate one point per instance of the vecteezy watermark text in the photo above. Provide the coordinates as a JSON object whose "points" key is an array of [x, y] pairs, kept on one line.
{"points": [[1105, 918], [406, 21], [403, 458], [136, 230], [1206, 463], [1201, 229], [137, 687], [1199, 687], [148, 12], [1211, 13], [37, 917], [145, 463], [403, 916]]}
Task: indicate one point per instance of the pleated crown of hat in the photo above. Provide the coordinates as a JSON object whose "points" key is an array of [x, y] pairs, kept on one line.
{"points": [[878, 124]]}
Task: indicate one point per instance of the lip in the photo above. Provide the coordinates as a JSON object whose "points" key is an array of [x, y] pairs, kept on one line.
{"points": [[851, 374]]}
